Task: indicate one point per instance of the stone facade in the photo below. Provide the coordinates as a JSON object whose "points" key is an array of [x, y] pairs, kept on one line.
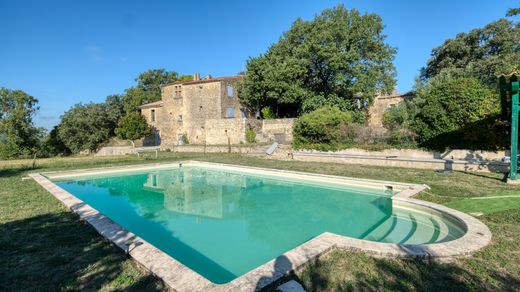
{"points": [[381, 104], [207, 111], [185, 107]]}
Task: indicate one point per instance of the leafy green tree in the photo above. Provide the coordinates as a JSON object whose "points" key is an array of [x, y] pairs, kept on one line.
{"points": [[337, 57], [52, 145], [133, 126], [513, 12], [148, 88], [327, 128], [85, 126], [18, 135], [114, 109], [482, 53], [447, 105], [185, 78]]}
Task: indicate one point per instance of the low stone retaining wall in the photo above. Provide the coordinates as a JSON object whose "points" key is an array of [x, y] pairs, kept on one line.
{"points": [[123, 150], [461, 160], [253, 150]]}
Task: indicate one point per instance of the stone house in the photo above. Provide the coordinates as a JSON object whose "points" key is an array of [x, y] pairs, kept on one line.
{"points": [[208, 111]]}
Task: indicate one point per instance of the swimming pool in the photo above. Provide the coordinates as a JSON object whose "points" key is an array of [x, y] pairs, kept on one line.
{"points": [[223, 223]]}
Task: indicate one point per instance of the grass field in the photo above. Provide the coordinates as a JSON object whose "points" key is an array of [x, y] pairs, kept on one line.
{"points": [[45, 247]]}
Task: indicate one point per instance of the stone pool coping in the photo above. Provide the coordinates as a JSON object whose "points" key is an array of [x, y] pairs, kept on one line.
{"points": [[181, 278]]}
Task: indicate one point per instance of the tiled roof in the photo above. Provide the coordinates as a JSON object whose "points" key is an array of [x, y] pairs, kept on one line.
{"points": [[152, 104], [190, 82]]}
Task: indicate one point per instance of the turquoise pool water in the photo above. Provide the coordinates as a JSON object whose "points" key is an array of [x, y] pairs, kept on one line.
{"points": [[224, 224]]}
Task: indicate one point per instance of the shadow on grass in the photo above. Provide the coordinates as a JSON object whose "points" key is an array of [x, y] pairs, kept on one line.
{"points": [[57, 252], [486, 175], [347, 271], [16, 171]]}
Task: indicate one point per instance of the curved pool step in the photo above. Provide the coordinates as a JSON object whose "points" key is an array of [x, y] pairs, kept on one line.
{"points": [[406, 228]]}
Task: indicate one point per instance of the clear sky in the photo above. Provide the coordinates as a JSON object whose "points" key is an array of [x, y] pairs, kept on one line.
{"points": [[65, 52]]}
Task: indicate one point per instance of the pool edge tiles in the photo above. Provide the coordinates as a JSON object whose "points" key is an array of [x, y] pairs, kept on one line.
{"points": [[181, 278]]}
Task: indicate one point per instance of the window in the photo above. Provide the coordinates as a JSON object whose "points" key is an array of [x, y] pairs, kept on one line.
{"points": [[230, 112], [177, 91], [230, 90], [152, 115]]}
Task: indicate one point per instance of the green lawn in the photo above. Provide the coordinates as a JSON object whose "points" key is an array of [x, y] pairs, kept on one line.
{"points": [[45, 247]]}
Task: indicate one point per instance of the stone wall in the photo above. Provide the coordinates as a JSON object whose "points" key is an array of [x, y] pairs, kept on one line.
{"points": [[170, 123], [201, 101], [461, 160], [242, 149], [230, 101], [218, 131], [381, 105], [279, 130]]}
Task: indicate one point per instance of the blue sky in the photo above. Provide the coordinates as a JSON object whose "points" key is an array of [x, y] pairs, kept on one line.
{"points": [[65, 52]]}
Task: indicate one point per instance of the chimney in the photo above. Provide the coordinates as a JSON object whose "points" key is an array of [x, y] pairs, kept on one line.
{"points": [[196, 77]]}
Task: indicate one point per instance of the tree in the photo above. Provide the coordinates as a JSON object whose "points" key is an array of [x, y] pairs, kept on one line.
{"points": [[482, 53], [85, 126], [447, 105], [18, 135], [52, 145], [337, 57], [513, 12], [327, 128], [148, 88], [133, 126], [115, 110]]}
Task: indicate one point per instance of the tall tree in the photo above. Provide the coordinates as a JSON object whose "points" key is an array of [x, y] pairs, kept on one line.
{"points": [[482, 53], [115, 110], [18, 135], [148, 88], [337, 57], [85, 127], [133, 126]]}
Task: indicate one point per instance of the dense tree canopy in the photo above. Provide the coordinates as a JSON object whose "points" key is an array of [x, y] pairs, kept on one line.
{"points": [[482, 53], [18, 135], [325, 129], [114, 109], [338, 56], [446, 105], [85, 127], [133, 126]]}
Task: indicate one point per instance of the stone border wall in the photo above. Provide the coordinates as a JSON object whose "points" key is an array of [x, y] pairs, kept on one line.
{"points": [[460, 160]]}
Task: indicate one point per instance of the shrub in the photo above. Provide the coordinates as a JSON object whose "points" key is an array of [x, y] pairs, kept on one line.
{"points": [[185, 139], [399, 120], [250, 135], [449, 105], [133, 126], [268, 113], [327, 128]]}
